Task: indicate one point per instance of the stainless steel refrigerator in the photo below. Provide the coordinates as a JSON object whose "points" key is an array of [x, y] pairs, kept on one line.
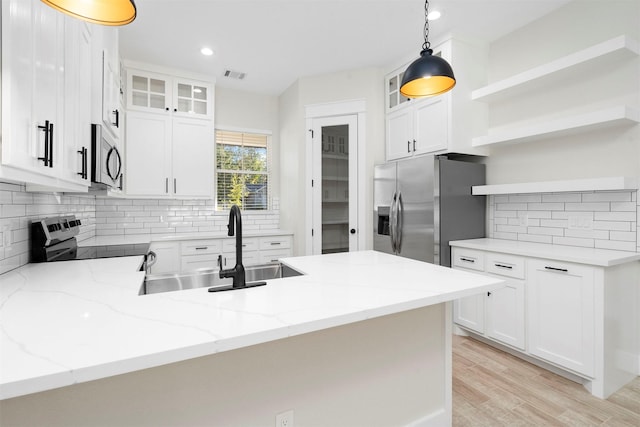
{"points": [[422, 203]]}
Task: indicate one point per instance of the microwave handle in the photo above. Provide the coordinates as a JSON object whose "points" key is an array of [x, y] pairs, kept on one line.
{"points": [[111, 151]]}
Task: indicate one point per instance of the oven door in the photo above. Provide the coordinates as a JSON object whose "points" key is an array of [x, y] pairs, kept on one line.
{"points": [[106, 167]]}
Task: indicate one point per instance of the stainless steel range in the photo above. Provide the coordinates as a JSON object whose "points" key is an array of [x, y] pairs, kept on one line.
{"points": [[54, 239]]}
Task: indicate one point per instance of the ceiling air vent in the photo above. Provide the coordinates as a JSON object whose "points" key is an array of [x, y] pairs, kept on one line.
{"points": [[234, 74]]}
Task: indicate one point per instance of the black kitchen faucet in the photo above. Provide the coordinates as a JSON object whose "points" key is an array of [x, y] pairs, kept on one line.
{"points": [[237, 272]]}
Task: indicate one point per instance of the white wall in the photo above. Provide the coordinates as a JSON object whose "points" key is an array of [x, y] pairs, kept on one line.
{"points": [[235, 109], [608, 152], [367, 84]]}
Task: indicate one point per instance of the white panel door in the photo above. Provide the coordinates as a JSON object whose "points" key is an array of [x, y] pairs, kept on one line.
{"points": [[148, 154], [560, 314], [506, 313], [430, 125], [400, 134], [192, 148]]}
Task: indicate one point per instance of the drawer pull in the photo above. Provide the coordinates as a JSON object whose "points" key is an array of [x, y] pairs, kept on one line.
{"points": [[200, 248], [275, 243], [504, 266], [467, 259], [564, 270]]}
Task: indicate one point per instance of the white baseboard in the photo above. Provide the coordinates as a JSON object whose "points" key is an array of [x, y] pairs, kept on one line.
{"points": [[436, 419]]}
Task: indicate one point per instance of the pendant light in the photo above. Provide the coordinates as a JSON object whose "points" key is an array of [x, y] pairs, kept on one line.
{"points": [[104, 12], [428, 75]]}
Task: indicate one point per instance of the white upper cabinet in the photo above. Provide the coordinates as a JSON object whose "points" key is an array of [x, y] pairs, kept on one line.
{"points": [[161, 93], [77, 109], [438, 124], [111, 108], [39, 48]]}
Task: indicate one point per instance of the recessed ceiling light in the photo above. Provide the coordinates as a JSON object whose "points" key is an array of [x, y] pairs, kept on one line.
{"points": [[206, 51], [433, 15]]}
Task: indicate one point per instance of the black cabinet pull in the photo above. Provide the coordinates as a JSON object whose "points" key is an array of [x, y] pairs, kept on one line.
{"points": [[121, 181], [83, 170], [352, 231], [564, 270], [408, 146], [115, 151], [166, 185], [175, 185], [488, 294], [175, 110], [166, 108], [201, 248], [504, 266], [414, 145], [116, 113], [275, 243], [467, 259], [45, 129], [50, 145]]}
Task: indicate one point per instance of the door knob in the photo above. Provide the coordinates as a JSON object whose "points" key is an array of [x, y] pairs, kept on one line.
{"points": [[353, 231]]}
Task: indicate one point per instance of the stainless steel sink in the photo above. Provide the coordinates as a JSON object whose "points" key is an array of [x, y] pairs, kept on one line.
{"points": [[206, 278]]}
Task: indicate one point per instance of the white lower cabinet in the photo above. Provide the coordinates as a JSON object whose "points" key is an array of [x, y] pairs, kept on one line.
{"points": [[499, 314], [167, 257], [579, 317], [190, 255], [561, 317]]}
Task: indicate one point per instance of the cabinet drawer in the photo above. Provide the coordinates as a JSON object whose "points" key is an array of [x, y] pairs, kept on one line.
{"points": [[195, 262], [248, 258], [273, 255], [197, 247], [250, 244], [275, 242], [505, 265], [468, 258]]}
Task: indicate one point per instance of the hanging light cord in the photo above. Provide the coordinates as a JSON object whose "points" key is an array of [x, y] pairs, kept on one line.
{"points": [[426, 45]]}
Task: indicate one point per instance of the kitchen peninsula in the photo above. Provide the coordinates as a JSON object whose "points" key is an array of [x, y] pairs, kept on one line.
{"points": [[360, 338]]}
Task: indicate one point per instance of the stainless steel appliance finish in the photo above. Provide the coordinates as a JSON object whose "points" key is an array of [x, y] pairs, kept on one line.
{"points": [[54, 239], [106, 162], [422, 203]]}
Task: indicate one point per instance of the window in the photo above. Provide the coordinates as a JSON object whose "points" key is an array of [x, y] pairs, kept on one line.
{"points": [[242, 170]]}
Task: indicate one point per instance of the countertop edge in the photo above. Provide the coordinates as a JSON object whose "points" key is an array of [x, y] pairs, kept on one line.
{"points": [[580, 255]]}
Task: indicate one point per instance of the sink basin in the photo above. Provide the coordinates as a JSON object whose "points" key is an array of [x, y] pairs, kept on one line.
{"points": [[206, 278]]}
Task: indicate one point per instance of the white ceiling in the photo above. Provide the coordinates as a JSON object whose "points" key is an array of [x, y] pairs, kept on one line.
{"points": [[277, 41]]}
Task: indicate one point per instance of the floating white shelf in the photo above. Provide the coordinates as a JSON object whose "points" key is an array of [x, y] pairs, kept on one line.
{"points": [[610, 50], [592, 184], [613, 116]]}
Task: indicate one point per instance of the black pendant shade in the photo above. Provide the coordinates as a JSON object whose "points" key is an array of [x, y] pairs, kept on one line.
{"points": [[104, 12], [428, 75]]}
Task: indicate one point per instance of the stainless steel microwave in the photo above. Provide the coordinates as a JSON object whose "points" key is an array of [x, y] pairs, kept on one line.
{"points": [[106, 162]]}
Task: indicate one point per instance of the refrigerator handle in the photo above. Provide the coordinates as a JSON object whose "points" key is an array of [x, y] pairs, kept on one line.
{"points": [[399, 222], [392, 222]]}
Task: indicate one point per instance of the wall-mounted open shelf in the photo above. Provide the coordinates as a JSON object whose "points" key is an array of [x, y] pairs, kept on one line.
{"points": [[610, 50], [616, 183], [586, 122]]}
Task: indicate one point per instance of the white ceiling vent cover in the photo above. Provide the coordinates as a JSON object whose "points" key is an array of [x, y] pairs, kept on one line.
{"points": [[235, 74]]}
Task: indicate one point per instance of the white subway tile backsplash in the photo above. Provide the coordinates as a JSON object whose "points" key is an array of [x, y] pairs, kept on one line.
{"points": [[615, 245], [561, 197], [605, 219], [607, 196]]}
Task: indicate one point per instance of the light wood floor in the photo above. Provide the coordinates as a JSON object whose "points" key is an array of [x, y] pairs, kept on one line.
{"points": [[494, 388]]}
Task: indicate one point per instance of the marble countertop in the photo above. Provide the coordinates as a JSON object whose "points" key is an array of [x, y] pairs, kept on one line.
{"points": [[591, 256], [148, 238], [68, 322]]}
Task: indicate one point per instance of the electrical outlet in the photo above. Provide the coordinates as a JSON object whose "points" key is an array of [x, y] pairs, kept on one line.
{"points": [[284, 419]]}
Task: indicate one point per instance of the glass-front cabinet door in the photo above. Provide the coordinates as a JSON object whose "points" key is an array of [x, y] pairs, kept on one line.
{"points": [[149, 92], [335, 169], [192, 98], [153, 92]]}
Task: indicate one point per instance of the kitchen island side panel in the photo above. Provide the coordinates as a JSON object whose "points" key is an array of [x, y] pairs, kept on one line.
{"points": [[389, 370]]}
